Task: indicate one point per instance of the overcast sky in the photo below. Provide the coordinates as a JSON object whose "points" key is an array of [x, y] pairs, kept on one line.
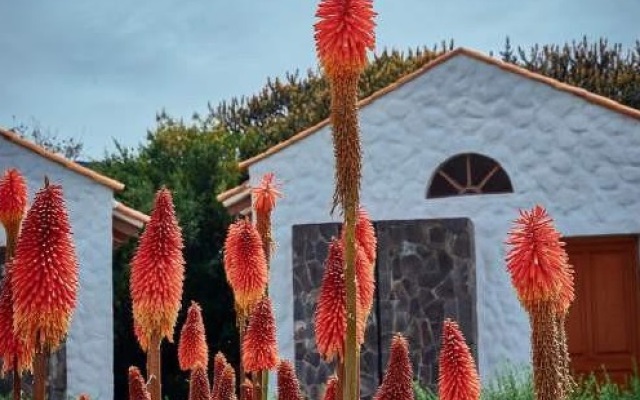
{"points": [[100, 70]]}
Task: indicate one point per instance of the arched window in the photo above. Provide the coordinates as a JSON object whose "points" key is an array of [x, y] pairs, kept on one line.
{"points": [[468, 174]]}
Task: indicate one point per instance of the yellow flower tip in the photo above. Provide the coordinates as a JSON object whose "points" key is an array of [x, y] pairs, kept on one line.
{"points": [[398, 379], [157, 270], [259, 346], [458, 378], [137, 386], [193, 352], [245, 264], [331, 390], [537, 260], [199, 385], [266, 194], [12, 349], [44, 278], [288, 385], [343, 34], [13, 199]]}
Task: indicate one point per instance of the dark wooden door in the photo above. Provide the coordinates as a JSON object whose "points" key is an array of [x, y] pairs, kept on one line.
{"points": [[602, 326]]}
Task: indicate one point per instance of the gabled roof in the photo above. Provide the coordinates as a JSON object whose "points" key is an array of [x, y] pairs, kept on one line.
{"points": [[237, 200], [126, 222], [584, 94], [58, 159]]}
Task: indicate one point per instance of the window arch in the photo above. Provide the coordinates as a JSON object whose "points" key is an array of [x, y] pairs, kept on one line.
{"points": [[469, 174]]}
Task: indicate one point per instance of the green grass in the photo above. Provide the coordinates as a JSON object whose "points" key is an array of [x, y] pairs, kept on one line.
{"points": [[516, 384]]}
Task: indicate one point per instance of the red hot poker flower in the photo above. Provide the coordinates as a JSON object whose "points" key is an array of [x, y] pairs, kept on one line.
{"points": [[137, 386], [193, 352], [397, 381], [227, 389], [537, 260], [13, 199], [331, 389], [331, 312], [157, 271], [44, 278], [288, 386], [245, 264], [259, 346], [12, 349], [366, 235], [458, 378], [247, 390], [344, 33], [266, 194], [199, 385]]}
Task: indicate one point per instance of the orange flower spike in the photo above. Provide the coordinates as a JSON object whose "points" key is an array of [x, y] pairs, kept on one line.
{"points": [[245, 263], [458, 378], [567, 290], [219, 364], [137, 386], [157, 270], [366, 235], [331, 390], [331, 312], [247, 390], [13, 199], [537, 259], [227, 389], [344, 33], [199, 385], [288, 385], [398, 380], [266, 194], [141, 336], [259, 347], [12, 349], [366, 285], [193, 352], [44, 278]]}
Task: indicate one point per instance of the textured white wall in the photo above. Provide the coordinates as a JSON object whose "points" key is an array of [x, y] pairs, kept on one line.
{"points": [[579, 160], [90, 341]]}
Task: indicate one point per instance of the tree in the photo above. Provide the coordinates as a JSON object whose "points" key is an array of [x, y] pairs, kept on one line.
{"points": [[68, 147]]}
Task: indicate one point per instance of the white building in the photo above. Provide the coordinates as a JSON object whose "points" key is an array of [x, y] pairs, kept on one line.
{"points": [[98, 223], [471, 138]]}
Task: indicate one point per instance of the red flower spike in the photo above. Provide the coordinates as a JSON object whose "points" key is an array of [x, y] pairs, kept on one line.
{"points": [[219, 364], [288, 386], [12, 349], [458, 379], [259, 346], [157, 271], [366, 285], [366, 235], [199, 385], [193, 352], [567, 291], [247, 390], [266, 194], [537, 259], [331, 390], [331, 312], [344, 33], [44, 277], [398, 380], [137, 386], [13, 199], [227, 389], [245, 264]]}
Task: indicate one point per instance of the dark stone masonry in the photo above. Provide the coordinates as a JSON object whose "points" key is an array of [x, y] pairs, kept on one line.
{"points": [[425, 272]]}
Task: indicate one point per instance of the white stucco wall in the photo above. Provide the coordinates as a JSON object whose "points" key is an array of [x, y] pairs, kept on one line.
{"points": [[579, 160], [90, 341]]}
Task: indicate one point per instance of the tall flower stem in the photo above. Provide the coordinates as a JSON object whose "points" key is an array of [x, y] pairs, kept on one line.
{"points": [[10, 249], [40, 375], [344, 96], [546, 374], [154, 367]]}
